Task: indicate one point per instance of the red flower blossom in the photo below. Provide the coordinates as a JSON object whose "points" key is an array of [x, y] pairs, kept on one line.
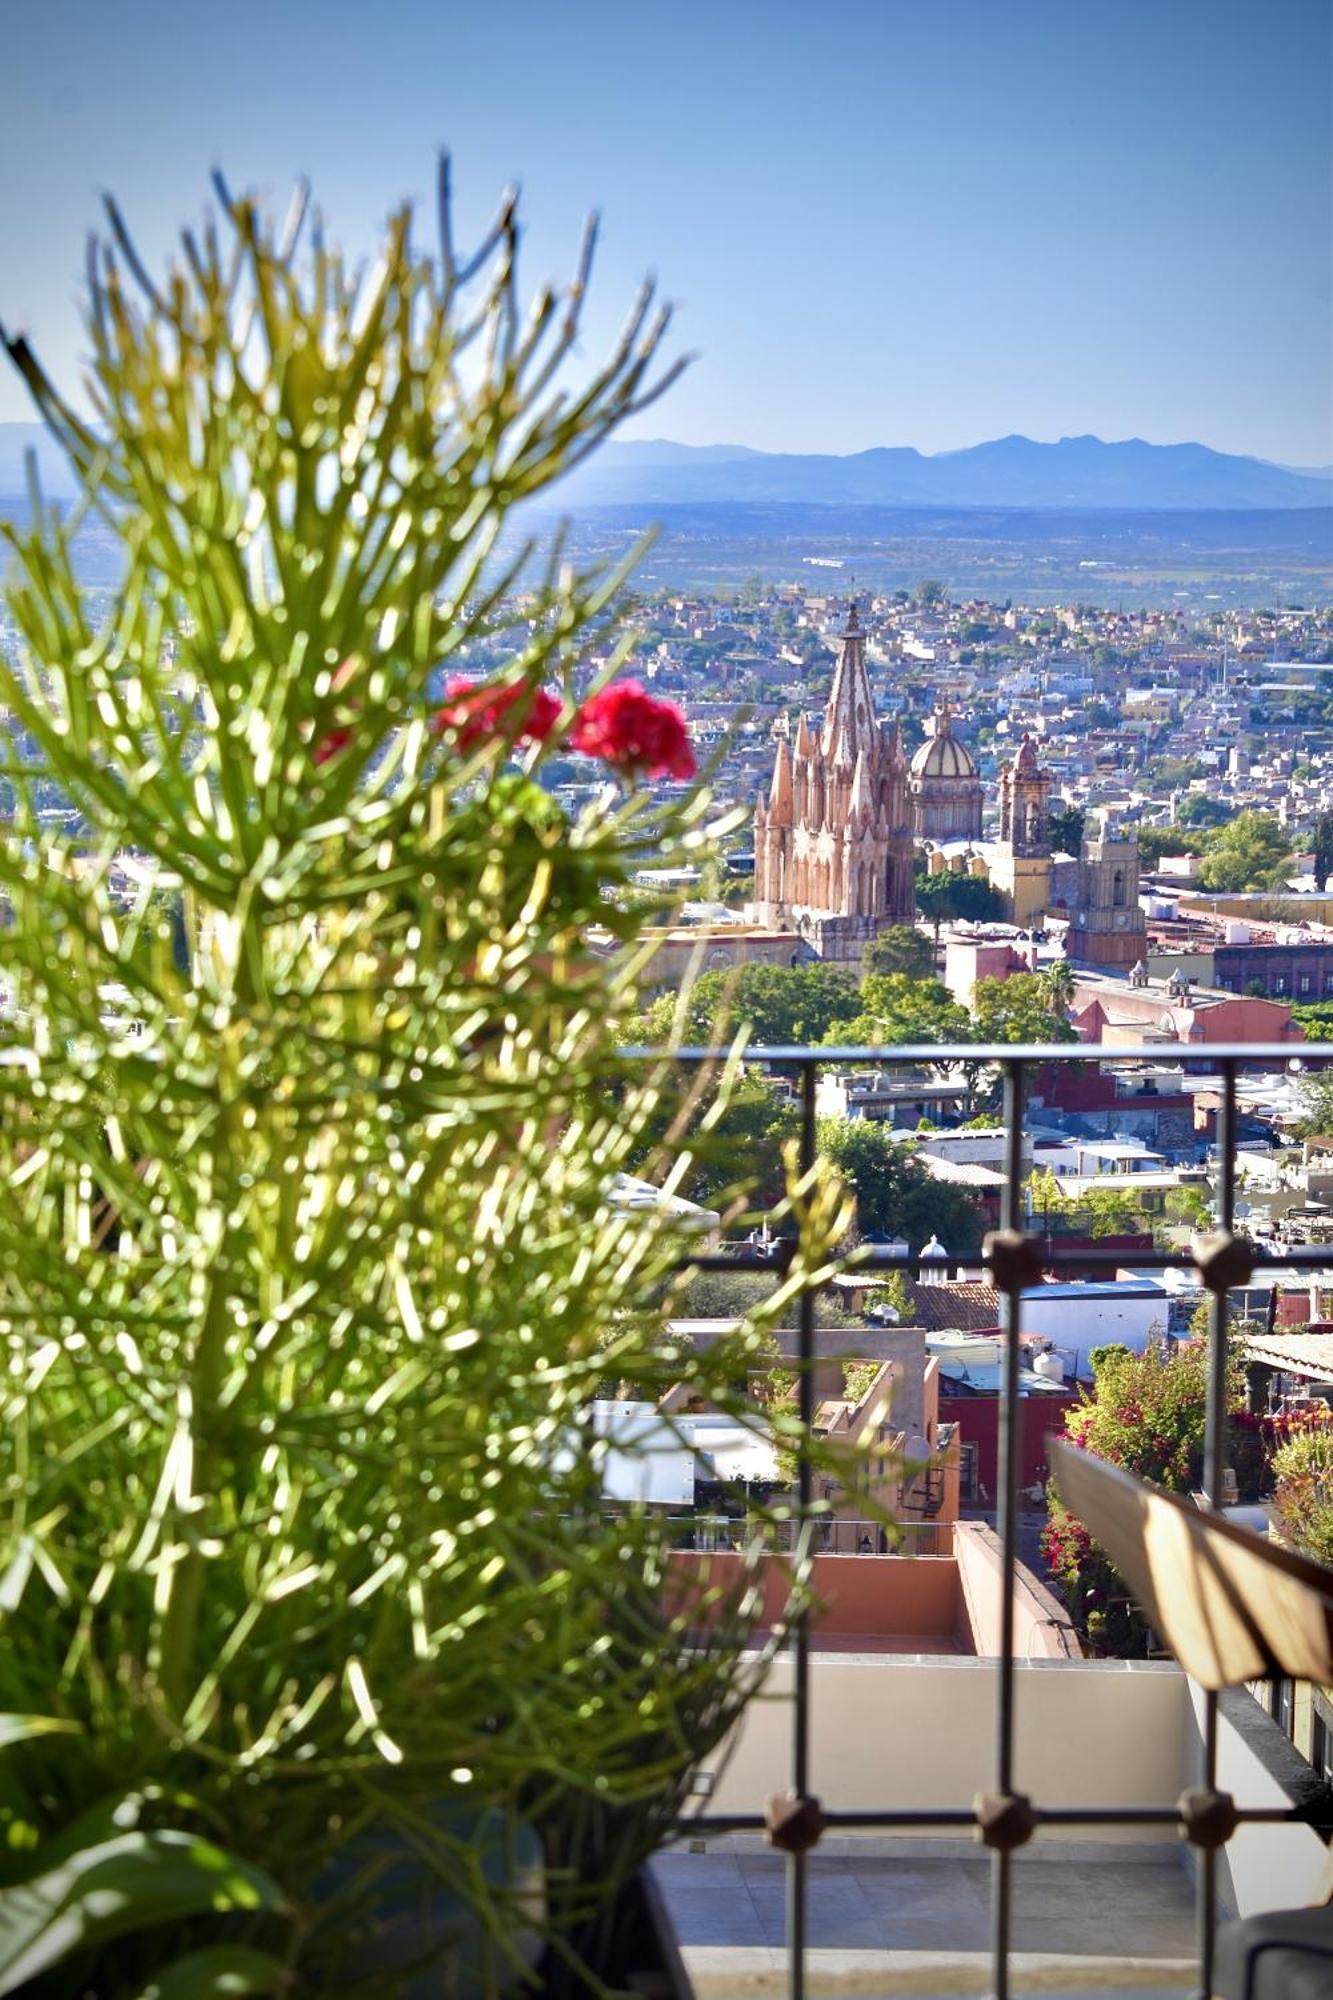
{"points": [[330, 745], [474, 713], [337, 739], [634, 732]]}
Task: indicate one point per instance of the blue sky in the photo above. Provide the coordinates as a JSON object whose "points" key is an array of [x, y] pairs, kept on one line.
{"points": [[884, 223]]}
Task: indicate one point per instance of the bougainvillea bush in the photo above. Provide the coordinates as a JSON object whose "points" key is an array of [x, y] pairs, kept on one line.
{"points": [[1302, 1468], [1147, 1412], [309, 1268]]}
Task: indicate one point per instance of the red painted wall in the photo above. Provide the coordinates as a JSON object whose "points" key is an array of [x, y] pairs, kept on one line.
{"points": [[978, 1421]]}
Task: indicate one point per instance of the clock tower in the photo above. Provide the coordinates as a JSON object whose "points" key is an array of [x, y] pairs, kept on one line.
{"points": [[1108, 928]]}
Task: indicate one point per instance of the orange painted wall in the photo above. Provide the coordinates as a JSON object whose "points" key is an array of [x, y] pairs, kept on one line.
{"points": [[1042, 1630]]}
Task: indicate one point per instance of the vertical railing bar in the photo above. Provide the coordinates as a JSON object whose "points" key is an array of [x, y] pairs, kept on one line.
{"points": [[1009, 1454], [1214, 1457], [1216, 1428], [800, 1746]]}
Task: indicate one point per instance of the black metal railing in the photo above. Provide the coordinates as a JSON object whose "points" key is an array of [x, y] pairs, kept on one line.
{"points": [[1003, 1818]]}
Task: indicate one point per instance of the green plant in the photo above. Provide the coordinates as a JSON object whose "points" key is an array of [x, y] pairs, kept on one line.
{"points": [[1026, 1007], [1047, 1199], [1247, 852], [113, 1877], [1114, 1212], [309, 1247], [894, 1294], [896, 1007], [944, 897], [857, 1377]]}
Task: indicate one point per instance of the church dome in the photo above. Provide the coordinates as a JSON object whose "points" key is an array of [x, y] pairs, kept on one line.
{"points": [[943, 756]]}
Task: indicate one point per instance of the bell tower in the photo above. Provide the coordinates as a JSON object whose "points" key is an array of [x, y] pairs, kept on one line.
{"points": [[1108, 928], [1022, 869]]}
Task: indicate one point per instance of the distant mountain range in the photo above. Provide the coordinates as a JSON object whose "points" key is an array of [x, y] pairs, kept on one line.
{"points": [[1080, 472], [1008, 472]]}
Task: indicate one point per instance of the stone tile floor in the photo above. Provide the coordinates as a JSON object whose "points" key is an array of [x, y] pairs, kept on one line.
{"points": [[880, 1925]]}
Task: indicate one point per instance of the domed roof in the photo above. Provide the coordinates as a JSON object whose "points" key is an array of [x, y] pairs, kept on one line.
{"points": [[942, 755]]}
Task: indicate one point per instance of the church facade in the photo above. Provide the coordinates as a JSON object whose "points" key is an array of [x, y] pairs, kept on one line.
{"points": [[833, 841], [838, 838]]}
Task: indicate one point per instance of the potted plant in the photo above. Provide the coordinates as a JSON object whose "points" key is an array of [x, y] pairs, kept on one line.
{"points": [[310, 1106]]}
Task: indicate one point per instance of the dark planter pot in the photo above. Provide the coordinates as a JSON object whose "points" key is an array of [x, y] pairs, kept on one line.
{"points": [[633, 1949], [417, 1928]]}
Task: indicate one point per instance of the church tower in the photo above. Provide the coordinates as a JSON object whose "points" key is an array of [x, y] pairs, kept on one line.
{"points": [[1022, 868], [1108, 928], [833, 842]]}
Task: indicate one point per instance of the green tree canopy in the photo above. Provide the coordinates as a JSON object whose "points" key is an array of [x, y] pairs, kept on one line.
{"points": [[1251, 852], [1202, 809], [1303, 1485], [1155, 841], [1316, 1020], [1115, 1212], [733, 1294], [780, 1003], [896, 1008], [1148, 1413], [946, 898], [1065, 826], [894, 1193], [1315, 1090], [901, 948], [1060, 983], [737, 1148], [1017, 1009], [1322, 842], [1048, 1200]]}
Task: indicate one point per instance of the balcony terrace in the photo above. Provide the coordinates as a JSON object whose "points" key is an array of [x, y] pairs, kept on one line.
{"points": [[908, 1736]]}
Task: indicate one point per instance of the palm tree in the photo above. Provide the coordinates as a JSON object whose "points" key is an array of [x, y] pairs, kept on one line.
{"points": [[1060, 985]]}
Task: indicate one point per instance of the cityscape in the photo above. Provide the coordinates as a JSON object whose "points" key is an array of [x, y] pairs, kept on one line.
{"points": [[666, 1003]]}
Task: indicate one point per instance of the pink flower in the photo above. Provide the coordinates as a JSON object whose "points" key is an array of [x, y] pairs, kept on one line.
{"points": [[475, 713], [633, 731]]}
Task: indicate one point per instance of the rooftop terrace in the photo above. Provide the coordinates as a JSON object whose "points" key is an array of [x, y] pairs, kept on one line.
{"points": [[1073, 1774]]}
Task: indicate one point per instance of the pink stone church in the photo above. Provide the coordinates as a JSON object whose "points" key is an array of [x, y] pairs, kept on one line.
{"points": [[847, 817], [833, 845]]}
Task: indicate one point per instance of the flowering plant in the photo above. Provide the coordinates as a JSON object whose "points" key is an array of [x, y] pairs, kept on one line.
{"points": [[310, 1262], [634, 732], [1148, 1413], [1302, 1468]]}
